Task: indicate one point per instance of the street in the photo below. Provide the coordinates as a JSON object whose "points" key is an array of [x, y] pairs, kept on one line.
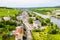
{"points": [[28, 26]]}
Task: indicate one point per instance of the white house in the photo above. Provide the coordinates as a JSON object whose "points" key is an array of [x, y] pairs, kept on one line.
{"points": [[19, 17], [18, 33], [56, 12], [6, 18], [37, 24]]}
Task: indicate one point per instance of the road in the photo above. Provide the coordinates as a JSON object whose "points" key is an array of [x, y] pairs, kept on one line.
{"points": [[28, 26]]}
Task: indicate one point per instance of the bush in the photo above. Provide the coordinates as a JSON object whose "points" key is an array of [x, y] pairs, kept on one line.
{"points": [[11, 28], [36, 36], [54, 29], [36, 30], [24, 28], [5, 37], [24, 36], [53, 32], [30, 20], [11, 23], [2, 25], [58, 15], [47, 20]]}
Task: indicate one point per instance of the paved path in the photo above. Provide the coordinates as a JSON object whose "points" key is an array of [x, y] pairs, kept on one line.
{"points": [[28, 26]]}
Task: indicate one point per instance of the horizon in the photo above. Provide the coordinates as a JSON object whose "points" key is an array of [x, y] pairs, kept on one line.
{"points": [[30, 7], [29, 3]]}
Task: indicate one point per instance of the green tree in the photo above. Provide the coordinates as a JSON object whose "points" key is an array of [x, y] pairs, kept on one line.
{"points": [[47, 20], [30, 20]]}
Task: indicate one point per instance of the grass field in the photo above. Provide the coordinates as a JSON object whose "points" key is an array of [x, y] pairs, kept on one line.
{"points": [[42, 36], [45, 35], [47, 8], [11, 12], [56, 37], [44, 10]]}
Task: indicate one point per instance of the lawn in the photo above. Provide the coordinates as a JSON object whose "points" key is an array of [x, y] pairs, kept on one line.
{"points": [[55, 37], [46, 34], [42, 36]]}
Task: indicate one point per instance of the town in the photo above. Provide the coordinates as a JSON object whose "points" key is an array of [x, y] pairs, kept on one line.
{"points": [[29, 24]]}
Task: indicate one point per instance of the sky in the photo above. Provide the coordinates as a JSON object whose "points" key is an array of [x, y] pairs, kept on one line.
{"points": [[29, 3]]}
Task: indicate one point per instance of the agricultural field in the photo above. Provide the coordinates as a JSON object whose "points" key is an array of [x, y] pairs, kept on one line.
{"points": [[10, 12], [44, 10]]}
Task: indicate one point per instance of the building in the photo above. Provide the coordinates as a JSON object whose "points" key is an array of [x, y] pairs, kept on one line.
{"points": [[6, 18], [56, 12], [37, 24], [18, 33], [19, 17]]}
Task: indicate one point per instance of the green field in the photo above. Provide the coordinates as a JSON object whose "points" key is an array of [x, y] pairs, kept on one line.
{"points": [[43, 35], [44, 10], [47, 8], [10, 12]]}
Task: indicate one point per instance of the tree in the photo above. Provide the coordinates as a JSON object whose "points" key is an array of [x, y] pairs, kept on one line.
{"points": [[36, 30], [30, 20], [53, 29], [47, 20], [2, 25], [5, 37]]}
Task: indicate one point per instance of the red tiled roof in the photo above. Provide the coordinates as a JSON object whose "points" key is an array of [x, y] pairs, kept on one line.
{"points": [[19, 31]]}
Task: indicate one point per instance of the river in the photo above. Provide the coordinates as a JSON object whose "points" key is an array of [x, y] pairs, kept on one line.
{"points": [[53, 19]]}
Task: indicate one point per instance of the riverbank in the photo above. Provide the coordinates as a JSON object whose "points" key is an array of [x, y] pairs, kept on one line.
{"points": [[58, 17], [53, 19]]}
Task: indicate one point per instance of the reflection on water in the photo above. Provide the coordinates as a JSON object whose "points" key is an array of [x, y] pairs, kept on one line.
{"points": [[56, 21]]}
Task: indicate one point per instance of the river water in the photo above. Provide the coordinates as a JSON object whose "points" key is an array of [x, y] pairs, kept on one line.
{"points": [[55, 21]]}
